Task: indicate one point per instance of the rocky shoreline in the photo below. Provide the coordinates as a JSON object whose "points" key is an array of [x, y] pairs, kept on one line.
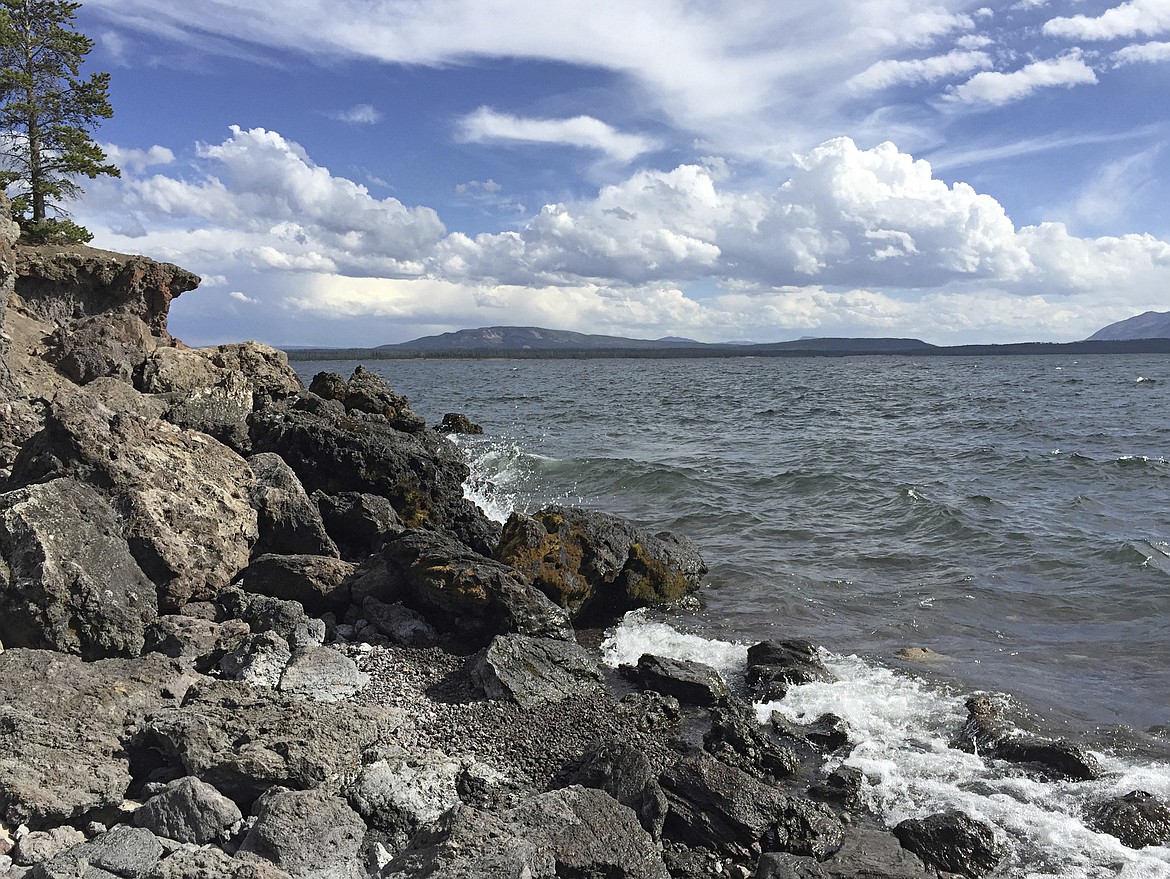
{"points": [[254, 629]]}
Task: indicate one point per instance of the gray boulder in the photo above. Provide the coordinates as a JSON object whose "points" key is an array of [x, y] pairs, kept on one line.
{"points": [[736, 739], [220, 410], [774, 666], [596, 565], [263, 613], [63, 729], [404, 791], [358, 522], [124, 852], [69, 582], [465, 843], [368, 392], [692, 683], [952, 841], [184, 498], [211, 863], [320, 583], [625, 773], [399, 623], [189, 810], [310, 834], [321, 675], [243, 740], [258, 661], [289, 521], [535, 671], [202, 642], [266, 368], [43, 845], [864, 854]]}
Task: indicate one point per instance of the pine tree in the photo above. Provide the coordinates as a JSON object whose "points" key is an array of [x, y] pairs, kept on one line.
{"points": [[46, 113]]}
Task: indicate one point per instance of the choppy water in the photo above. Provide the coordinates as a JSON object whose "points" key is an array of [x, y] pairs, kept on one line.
{"points": [[1011, 514]]}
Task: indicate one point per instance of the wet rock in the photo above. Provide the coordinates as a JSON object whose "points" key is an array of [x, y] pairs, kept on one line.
{"points": [[404, 791], [358, 522], [805, 828], [306, 833], [843, 785], [461, 591], [289, 522], [421, 474], [322, 675], [399, 623], [988, 732], [1138, 819], [625, 773], [826, 734], [69, 581], [651, 712], [596, 565], [189, 810], [774, 666], [43, 845], [535, 671], [319, 583], [242, 740], [736, 739], [264, 613], [864, 854], [211, 863], [62, 726], [692, 683], [453, 422], [183, 496], [952, 841], [125, 852]]}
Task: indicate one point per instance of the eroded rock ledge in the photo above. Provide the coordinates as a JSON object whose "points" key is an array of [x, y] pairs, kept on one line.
{"points": [[253, 629]]}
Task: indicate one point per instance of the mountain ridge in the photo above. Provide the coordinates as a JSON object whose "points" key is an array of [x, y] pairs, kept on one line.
{"points": [[1148, 325]]}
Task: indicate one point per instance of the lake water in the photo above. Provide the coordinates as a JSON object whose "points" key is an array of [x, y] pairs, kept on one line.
{"points": [[1012, 514]]}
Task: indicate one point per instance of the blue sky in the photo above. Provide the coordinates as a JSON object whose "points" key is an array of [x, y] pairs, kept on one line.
{"points": [[357, 172]]}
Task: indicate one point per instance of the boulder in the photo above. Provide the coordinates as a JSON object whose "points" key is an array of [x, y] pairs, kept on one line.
{"points": [[124, 852], [535, 671], [359, 523], [465, 843], [736, 739], [319, 583], [183, 496], [803, 827], [842, 785], [774, 666], [403, 791], [211, 863], [63, 729], [1138, 819], [266, 368], [177, 371], [368, 392], [598, 566], [101, 346], [219, 410], [321, 675], [864, 854], [264, 613], [453, 422], [692, 683], [825, 734], [243, 741], [461, 591], [988, 732], [306, 833], [20, 420], [398, 623], [258, 661], [43, 845], [952, 841], [625, 773], [189, 810], [289, 522], [199, 641], [69, 581], [421, 473]]}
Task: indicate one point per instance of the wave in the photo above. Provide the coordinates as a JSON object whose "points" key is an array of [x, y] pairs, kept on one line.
{"points": [[899, 729]]}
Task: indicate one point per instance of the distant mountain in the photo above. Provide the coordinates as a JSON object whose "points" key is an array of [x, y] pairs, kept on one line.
{"points": [[1151, 325], [531, 339]]}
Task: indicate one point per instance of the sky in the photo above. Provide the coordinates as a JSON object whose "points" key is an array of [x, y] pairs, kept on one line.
{"points": [[362, 172]]}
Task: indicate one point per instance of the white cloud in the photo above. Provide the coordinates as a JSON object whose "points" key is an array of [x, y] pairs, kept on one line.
{"points": [[486, 126], [1001, 88], [359, 114], [490, 187], [1132, 19], [1107, 197], [138, 160], [243, 297], [884, 74], [1143, 53]]}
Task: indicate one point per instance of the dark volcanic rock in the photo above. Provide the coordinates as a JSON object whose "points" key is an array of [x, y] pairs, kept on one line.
{"points": [[319, 583], [200, 641], [307, 833], [263, 613], [188, 810], [420, 473], [358, 523], [62, 728], [952, 841], [461, 591], [989, 733], [289, 522], [842, 785], [243, 740], [690, 682], [736, 739], [805, 828], [864, 854], [124, 852], [368, 392], [1138, 819], [69, 581], [211, 863], [453, 422], [774, 666], [535, 671], [597, 565], [398, 623]]}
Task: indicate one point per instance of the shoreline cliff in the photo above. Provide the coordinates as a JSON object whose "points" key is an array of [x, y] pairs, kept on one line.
{"points": [[254, 629]]}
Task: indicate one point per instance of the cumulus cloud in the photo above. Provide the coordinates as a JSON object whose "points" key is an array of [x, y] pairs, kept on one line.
{"points": [[138, 160], [359, 114], [884, 74], [1133, 19], [485, 125], [1143, 53], [994, 88], [243, 297]]}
